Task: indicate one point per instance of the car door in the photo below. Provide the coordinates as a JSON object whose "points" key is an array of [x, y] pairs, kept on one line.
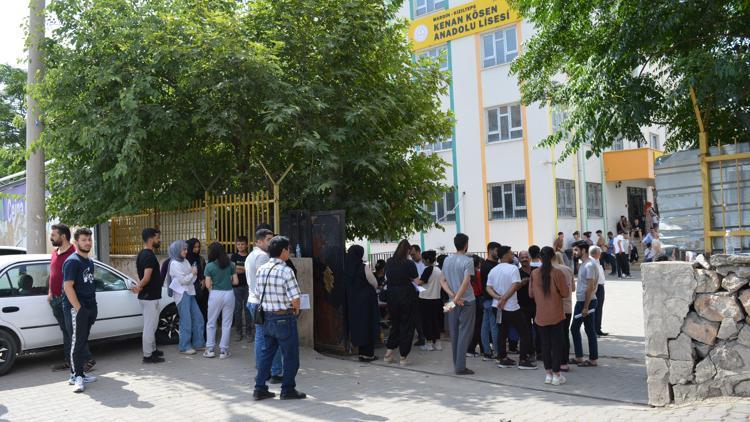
{"points": [[24, 305], [119, 312]]}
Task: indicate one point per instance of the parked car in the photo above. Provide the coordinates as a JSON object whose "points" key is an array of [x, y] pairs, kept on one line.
{"points": [[26, 320], [12, 250]]}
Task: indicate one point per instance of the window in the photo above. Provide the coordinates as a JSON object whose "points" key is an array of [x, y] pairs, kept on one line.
{"points": [[499, 47], [566, 198], [504, 123], [445, 209], [558, 118], [107, 281], [440, 146], [594, 199], [507, 200], [25, 280], [654, 140], [423, 7], [439, 54], [618, 144]]}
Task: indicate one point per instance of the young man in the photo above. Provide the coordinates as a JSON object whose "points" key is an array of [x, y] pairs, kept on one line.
{"points": [[241, 294], [489, 326], [622, 253], [280, 298], [559, 242], [534, 253], [587, 238], [148, 289], [415, 252], [255, 260], [528, 305], [79, 306], [586, 305], [607, 256], [60, 239], [503, 283], [456, 282]]}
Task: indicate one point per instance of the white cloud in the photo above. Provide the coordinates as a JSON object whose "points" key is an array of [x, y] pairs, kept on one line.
{"points": [[13, 14]]}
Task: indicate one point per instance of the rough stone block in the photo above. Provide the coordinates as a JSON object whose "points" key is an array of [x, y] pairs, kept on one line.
{"points": [[742, 389], [708, 281], [658, 381], [704, 371], [725, 357], [685, 393], [702, 350], [680, 371], [733, 282], [715, 307], [722, 259], [702, 262], [728, 329], [656, 346], [725, 270], [744, 298], [700, 329], [681, 348], [744, 336]]}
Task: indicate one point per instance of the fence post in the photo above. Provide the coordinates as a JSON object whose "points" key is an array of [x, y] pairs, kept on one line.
{"points": [[276, 196], [207, 206]]}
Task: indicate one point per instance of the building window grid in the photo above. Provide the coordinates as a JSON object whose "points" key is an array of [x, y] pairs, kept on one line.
{"points": [[566, 197], [438, 54], [504, 123], [446, 144], [594, 199], [444, 209], [423, 7], [654, 140], [507, 200], [499, 47]]}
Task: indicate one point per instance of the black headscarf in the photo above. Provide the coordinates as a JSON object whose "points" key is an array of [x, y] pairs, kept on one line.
{"points": [[353, 261], [193, 257]]}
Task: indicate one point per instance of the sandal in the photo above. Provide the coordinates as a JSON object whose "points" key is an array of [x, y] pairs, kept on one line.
{"points": [[587, 364]]}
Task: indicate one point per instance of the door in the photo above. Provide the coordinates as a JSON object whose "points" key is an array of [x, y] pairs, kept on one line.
{"points": [[23, 304], [119, 311], [636, 203]]}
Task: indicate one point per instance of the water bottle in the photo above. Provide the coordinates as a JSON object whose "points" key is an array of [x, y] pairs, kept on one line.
{"points": [[298, 251], [729, 242]]}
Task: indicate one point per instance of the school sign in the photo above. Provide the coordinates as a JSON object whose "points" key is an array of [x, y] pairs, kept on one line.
{"points": [[460, 21]]}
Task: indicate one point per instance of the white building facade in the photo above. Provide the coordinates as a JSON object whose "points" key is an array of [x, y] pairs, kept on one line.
{"points": [[506, 188]]}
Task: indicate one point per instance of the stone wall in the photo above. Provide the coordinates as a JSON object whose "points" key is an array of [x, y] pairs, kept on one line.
{"points": [[697, 329]]}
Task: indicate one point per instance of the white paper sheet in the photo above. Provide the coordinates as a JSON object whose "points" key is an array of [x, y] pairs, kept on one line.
{"points": [[304, 301]]}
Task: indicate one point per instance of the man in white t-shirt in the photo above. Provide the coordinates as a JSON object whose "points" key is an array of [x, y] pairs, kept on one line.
{"points": [[622, 253], [502, 284]]}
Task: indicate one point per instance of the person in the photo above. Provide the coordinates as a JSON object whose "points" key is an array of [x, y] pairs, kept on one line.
{"points": [[633, 251], [456, 282], [569, 249], [400, 273], [621, 253], [182, 277], [586, 306], [652, 218], [221, 276], [599, 292], [279, 294], [241, 293], [659, 253], [587, 238], [636, 232], [430, 304], [548, 287], [148, 289], [380, 272], [415, 254], [476, 287], [526, 302], [201, 293], [503, 284], [363, 318], [559, 242], [79, 306], [60, 239], [607, 253], [623, 225], [559, 263], [534, 256], [489, 315], [648, 253]]}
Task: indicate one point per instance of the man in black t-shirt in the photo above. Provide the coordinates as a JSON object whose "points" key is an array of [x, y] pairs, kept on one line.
{"points": [[149, 293], [528, 306], [241, 292], [489, 317]]}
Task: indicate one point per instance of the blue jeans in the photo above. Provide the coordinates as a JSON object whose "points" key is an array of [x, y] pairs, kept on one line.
{"points": [[276, 365], [279, 332], [589, 326], [489, 325], [191, 323]]}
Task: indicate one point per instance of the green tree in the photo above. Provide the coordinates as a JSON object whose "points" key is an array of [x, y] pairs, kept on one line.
{"points": [[12, 120], [151, 102], [619, 66]]}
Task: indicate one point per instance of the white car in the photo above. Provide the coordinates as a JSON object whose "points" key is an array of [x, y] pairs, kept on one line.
{"points": [[27, 323]]}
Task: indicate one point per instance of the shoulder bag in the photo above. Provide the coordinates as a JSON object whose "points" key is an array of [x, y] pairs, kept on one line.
{"points": [[259, 316]]}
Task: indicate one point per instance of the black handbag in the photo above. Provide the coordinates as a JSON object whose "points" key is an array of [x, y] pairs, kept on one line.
{"points": [[259, 316], [383, 294]]}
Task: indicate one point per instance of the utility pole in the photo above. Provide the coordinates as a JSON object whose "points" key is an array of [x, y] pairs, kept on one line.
{"points": [[36, 216]]}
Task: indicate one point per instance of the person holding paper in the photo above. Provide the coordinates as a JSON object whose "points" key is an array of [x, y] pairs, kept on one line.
{"points": [[363, 318], [400, 273], [583, 313]]}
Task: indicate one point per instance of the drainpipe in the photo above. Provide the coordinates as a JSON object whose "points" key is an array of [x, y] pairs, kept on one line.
{"points": [[581, 191]]}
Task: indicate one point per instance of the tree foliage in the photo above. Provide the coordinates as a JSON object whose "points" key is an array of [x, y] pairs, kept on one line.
{"points": [[152, 102], [619, 66], [12, 119]]}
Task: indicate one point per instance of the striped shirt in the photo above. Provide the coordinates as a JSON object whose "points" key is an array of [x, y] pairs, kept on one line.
{"points": [[280, 285]]}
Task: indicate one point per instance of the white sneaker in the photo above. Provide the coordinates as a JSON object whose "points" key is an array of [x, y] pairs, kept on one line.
{"points": [[209, 353], [558, 380], [189, 352], [87, 379], [438, 346], [224, 354], [423, 347], [548, 379], [430, 347], [79, 385]]}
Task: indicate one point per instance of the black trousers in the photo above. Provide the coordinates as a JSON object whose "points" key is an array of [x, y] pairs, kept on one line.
{"points": [[432, 315], [600, 311], [551, 336], [519, 321], [419, 324], [565, 349], [623, 265], [535, 346], [402, 305], [79, 326], [610, 259], [368, 350], [476, 339]]}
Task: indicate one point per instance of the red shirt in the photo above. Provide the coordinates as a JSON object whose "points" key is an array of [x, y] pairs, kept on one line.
{"points": [[56, 270]]}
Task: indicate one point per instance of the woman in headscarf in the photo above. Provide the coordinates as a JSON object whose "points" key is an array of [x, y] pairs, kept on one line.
{"points": [[195, 259], [362, 303], [400, 273], [183, 276]]}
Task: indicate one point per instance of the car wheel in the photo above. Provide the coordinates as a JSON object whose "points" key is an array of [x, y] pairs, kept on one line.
{"points": [[8, 351], [168, 331]]}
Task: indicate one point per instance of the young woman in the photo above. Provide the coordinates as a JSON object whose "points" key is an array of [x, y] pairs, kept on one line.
{"points": [[221, 275], [652, 218], [400, 272], [362, 303], [183, 276], [430, 303], [548, 287], [559, 262], [195, 259]]}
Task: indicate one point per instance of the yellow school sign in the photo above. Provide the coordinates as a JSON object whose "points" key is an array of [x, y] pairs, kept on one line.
{"points": [[460, 21]]}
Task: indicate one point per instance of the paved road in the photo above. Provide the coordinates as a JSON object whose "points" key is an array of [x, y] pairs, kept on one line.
{"points": [[194, 388]]}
